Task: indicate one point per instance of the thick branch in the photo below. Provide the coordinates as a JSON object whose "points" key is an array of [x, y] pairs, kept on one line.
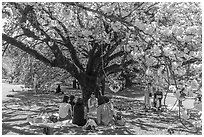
{"points": [[116, 55], [60, 61], [111, 17], [26, 49], [113, 68], [92, 56], [193, 60], [66, 40], [117, 67]]}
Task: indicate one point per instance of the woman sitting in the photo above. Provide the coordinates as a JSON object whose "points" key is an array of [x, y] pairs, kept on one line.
{"points": [[65, 109], [104, 112], [78, 117], [117, 116], [110, 104], [92, 105]]}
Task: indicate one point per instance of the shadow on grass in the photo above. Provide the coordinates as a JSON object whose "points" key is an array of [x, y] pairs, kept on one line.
{"points": [[79, 131], [49, 103], [8, 128]]}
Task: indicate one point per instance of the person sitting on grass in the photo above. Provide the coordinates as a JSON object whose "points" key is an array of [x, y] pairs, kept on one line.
{"points": [[58, 90], [71, 101], [92, 105], [104, 113], [110, 104], [78, 117], [117, 116], [65, 109]]}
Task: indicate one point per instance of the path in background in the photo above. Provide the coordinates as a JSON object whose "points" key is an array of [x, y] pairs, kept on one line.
{"points": [[6, 90]]}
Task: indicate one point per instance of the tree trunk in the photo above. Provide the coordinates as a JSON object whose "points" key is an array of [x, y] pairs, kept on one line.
{"points": [[128, 82], [88, 86], [86, 94], [103, 87], [74, 84]]}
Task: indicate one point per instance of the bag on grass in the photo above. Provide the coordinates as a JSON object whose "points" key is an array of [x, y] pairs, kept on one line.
{"points": [[38, 120], [119, 120], [118, 116], [53, 118], [47, 131], [90, 125]]}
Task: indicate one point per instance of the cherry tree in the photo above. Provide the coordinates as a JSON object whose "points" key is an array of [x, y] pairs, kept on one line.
{"points": [[86, 44], [174, 61], [91, 41]]}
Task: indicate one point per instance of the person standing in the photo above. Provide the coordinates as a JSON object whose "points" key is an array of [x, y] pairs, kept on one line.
{"points": [[159, 96], [74, 84], [147, 99], [154, 97], [78, 85], [35, 82]]}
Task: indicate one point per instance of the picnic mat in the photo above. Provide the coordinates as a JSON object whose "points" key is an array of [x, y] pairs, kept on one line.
{"points": [[59, 124]]}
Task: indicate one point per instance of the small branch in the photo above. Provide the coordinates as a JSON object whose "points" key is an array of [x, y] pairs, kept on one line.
{"points": [[5, 49]]}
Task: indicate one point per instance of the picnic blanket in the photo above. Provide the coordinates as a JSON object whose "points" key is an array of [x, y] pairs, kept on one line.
{"points": [[42, 122]]}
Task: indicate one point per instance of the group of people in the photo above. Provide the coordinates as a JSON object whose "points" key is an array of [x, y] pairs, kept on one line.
{"points": [[100, 110], [69, 109], [153, 97]]}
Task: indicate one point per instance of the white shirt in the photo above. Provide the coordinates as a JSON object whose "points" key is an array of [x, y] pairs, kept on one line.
{"points": [[35, 80], [64, 109], [93, 104]]}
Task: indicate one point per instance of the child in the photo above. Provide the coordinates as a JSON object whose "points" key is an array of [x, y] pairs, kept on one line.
{"points": [[65, 109]]}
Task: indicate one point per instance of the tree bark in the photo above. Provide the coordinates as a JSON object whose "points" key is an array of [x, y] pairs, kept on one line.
{"points": [[88, 86], [103, 87], [128, 82]]}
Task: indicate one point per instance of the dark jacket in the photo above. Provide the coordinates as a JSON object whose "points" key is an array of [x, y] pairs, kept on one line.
{"points": [[78, 117], [58, 90]]}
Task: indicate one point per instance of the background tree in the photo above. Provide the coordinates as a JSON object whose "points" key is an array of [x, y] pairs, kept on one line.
{"points": [[59, 38]]}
